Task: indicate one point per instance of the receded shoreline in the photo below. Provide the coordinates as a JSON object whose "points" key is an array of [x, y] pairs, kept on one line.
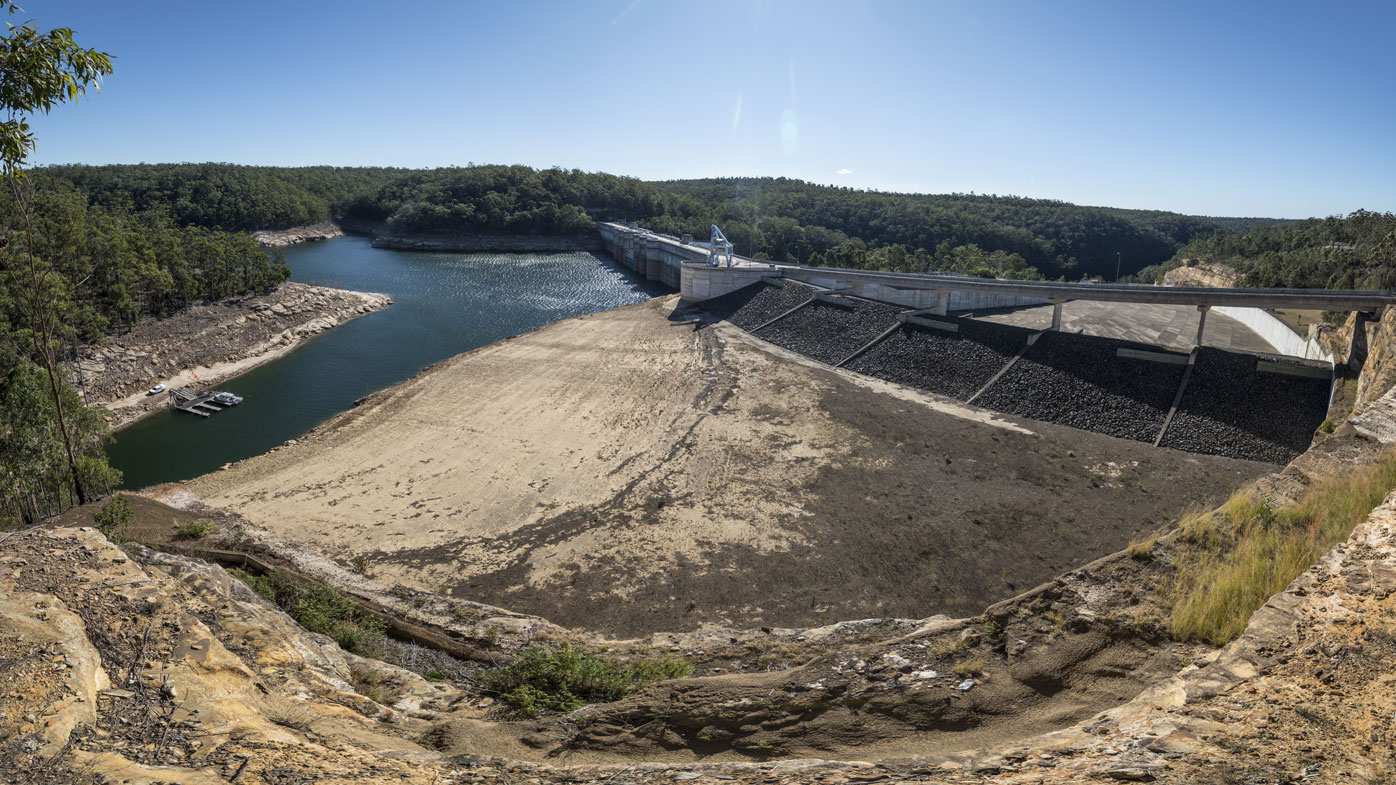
{"points": [[208, 343]]}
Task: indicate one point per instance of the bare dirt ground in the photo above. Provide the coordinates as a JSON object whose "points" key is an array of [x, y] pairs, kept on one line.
{"points": [[207, 343], [636, 470]]}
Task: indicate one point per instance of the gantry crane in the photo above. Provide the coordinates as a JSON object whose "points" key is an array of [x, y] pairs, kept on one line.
{"points": [[719, 250]]}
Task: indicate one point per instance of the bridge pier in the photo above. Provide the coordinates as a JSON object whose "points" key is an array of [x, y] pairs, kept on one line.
{"points": [[1057, 314], [1201, 323]]}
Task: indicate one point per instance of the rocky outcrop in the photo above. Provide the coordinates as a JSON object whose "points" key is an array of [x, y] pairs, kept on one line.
{"points": [[298, 234], [143, 667], [1197, 273], [209, 342]]}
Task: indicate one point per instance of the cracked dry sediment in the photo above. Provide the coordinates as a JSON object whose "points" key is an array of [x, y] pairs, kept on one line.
{"points": [[635, 470], [207, 343]]}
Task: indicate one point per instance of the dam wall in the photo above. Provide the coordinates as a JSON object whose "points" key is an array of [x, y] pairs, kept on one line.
{"points": [[655, 257], [682, 264], [659, 257], [1203, 401]]}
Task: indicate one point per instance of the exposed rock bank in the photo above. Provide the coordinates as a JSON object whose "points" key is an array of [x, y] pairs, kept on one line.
{"points": [[298, 234], [1198, 273], [207, 343]]}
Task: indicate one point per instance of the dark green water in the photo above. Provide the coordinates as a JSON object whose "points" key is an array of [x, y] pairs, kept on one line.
{"points": [[444, 304]]}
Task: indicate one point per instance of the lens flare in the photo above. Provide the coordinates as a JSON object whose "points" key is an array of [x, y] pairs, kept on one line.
{"points": [[789, 132]]}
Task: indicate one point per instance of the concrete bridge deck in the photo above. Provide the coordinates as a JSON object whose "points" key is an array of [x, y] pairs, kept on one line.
{"points": [[1302, 299]]}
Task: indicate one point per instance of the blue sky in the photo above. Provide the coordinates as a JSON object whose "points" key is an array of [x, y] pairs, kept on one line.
{"points": [[1241, 108]]}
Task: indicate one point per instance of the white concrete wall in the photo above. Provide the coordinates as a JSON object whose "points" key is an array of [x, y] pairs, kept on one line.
{"points": [[1276, 333], [701, 282]]}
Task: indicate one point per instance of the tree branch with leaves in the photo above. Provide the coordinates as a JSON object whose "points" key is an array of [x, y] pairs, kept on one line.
{"points": [[38, 71]]}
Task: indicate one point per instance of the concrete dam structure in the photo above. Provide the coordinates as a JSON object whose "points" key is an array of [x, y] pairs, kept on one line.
{"points": [[904, 328]]}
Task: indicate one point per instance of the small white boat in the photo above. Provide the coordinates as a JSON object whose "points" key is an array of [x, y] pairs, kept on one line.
{"points": [[226, 399], [156, 390]]}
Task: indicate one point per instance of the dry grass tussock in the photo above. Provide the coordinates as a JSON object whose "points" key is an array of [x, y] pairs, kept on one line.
{"points": [[1231, 560]]}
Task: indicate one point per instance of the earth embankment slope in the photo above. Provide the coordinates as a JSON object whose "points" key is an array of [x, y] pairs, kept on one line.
{"points": [[633, 471]]}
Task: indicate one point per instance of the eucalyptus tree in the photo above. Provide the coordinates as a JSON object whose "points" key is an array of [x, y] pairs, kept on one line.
{"points": [[38, 71]]}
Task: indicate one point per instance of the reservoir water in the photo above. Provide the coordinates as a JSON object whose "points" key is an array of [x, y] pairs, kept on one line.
{"points": [[443, 304]]}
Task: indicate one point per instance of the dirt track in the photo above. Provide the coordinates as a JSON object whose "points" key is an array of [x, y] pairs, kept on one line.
{"points": [[634, 471]]}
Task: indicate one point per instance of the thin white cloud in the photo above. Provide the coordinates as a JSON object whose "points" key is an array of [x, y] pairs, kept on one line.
{"points": [[737, 115], [633, 5], [844, 171]]}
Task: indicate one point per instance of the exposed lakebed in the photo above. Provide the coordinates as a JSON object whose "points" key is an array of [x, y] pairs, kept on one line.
{"points": [[444, 304]]}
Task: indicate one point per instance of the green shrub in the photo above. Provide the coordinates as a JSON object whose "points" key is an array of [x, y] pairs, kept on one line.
{"points": [[547, 679], [1230, 561], [193, 530], [321, 608], [111, 518]]}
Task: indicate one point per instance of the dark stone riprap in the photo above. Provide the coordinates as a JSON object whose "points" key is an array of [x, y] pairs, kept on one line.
{"points": [[1080, 381], [752, 306], [830, 332], [956, 364], [1232, 409]]}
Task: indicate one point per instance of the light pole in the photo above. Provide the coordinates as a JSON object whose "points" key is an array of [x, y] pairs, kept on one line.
{"points": [[1117, 267]]}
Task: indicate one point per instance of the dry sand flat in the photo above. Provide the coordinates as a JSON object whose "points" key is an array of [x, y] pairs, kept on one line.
{"points": [[632, 471]]}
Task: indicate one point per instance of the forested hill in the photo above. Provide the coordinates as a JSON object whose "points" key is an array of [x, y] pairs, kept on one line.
{"points": [[508, 200], [1357, 251], [791, 219], [769, 218], [225, 196], [781, 219]]}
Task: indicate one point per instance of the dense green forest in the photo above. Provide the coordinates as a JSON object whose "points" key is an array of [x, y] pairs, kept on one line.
{"points": [[99, 269], [767, 218], [1242, 224], [225, 196], [113, 266], [1357, 251], [791, 220], [507, 200]]}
